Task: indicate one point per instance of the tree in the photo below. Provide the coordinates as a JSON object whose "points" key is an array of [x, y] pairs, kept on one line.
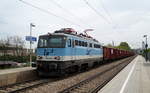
{"points": [[110, 46], [2, 47], [13, 43], [124, 45], [18, 43]]}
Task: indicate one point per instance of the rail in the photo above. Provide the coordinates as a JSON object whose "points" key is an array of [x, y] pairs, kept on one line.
{"points": [[116, 69], [15, 88]]}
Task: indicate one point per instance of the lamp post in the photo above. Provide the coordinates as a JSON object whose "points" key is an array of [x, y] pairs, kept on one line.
{"points": [[143, 45], [31, 25], [146, 45]]}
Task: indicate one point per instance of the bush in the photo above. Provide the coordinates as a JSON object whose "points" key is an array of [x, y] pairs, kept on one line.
{"points": [[20, 59]]}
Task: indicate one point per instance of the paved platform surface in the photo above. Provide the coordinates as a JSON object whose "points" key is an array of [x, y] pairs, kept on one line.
{"points": [[135, 78], [13, 70], [16, 75]]}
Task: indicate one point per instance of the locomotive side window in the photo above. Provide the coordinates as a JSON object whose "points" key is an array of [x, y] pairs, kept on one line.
{"points": [[97, 46], [79, 43], [76, 42], [90, 44], [94, 45], [69, 42], [83, 43], [100, 46], [73, 43]]}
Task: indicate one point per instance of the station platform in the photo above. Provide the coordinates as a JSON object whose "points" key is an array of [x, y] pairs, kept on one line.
{"points": [[16, 75], [134, 78]]}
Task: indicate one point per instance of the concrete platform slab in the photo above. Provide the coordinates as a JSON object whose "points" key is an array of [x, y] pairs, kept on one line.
{"points": [[16, 75], [135, 78]]}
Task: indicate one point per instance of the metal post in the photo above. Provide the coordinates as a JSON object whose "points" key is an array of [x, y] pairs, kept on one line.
{"points": [[146, 45], [146, 49], [30, 44], [143, 45]]}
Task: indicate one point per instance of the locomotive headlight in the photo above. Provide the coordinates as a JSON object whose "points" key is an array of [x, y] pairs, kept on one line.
{"points": [[65, 38], [39, 57], [39, 64]]}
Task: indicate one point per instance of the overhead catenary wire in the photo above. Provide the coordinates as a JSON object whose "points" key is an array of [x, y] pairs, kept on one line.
{"points": [[67, 11], [50, 13], [98, 13], [108, 14], [61, 7], [106, 11]]}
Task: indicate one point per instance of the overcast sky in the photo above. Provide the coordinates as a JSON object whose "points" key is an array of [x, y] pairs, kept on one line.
{"points": [[115, 20]]}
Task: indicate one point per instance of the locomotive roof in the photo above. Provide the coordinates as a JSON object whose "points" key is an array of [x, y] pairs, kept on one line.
{"points": [[70, 35]]}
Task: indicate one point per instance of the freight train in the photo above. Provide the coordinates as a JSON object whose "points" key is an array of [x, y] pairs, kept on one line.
{"points": [[65, 51]]}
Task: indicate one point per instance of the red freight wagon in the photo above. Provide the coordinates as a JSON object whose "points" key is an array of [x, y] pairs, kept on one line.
{"points": [[112, 53], [109, 53], [106, 53]]}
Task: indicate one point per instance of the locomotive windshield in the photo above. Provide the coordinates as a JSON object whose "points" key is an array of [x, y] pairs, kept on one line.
{"points": [[51, 42]]}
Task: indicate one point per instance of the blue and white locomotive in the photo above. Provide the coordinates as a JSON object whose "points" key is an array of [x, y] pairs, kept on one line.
{"points": [[65, 51]]}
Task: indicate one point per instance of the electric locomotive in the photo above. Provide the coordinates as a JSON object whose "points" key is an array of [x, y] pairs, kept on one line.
{"points": [[65, 51]]}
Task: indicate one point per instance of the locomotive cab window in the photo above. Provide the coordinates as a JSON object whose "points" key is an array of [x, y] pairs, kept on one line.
{"points": [[43, 42], [55, 42], [51, 42]]}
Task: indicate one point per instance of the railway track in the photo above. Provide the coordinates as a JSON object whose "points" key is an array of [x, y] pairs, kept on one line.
{"points": [[89, 85], [94, 83], [15, 88]]}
